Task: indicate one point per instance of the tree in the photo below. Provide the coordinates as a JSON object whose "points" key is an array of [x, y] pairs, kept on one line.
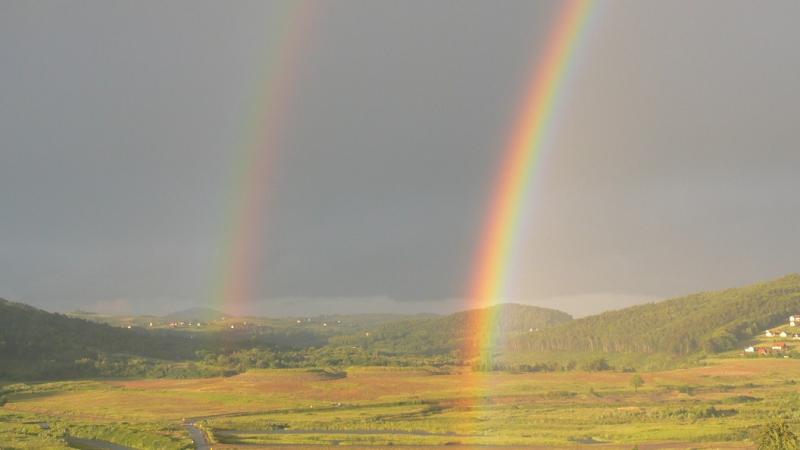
{"points": [[596, 365], [637, 381], [778, 436]]}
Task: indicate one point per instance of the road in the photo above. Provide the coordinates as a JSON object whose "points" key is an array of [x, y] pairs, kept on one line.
{"points": [[198, 436]]}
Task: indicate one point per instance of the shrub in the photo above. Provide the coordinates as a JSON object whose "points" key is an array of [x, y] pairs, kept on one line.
{"points": [[685, 389], [741, 399], [637, 381], [596, 365], [778, 436]]}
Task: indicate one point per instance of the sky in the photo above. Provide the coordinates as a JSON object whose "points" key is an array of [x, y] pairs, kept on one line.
{"points": [[673, 167]]}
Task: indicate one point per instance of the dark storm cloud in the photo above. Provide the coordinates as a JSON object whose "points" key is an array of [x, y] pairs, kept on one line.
{"points": [[673, 168]]}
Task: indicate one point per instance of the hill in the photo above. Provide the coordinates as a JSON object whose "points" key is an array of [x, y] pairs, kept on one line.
{"points": [[38, 344], [445, 334], [709, 321], [112, 319]]}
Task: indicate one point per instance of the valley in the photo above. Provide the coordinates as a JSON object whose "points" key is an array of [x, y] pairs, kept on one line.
{"points": [[720, 404], [605, 381]]}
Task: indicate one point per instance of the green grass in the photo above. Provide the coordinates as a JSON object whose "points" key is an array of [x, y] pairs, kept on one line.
{"points": [[556, 409], [21, 430], [25, 431], [725, 401], [167, 436]]}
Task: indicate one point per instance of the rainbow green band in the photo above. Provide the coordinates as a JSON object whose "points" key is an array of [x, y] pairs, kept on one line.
{"points": [[525, 146], [242, 246]]}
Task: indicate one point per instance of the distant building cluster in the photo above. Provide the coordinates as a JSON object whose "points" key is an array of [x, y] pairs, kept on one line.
{"points": [[242, 326], [323, 323], [777, 347], [182, 324]]}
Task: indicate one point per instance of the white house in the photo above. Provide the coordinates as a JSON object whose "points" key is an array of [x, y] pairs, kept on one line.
{"points": [[796, 337], [768, 333], [784, 334], [750, 349]]}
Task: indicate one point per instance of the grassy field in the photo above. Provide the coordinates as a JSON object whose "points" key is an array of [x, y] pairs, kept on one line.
{"points": [[719, 405]]}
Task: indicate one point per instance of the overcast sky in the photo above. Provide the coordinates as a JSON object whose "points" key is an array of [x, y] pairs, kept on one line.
{"points": [[674, 167]]}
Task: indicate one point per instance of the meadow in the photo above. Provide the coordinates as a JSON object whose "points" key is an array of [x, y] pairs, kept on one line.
{"points": [[723, 403]]}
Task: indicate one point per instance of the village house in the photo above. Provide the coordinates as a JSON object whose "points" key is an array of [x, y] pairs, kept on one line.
{"points": [[763, 351], [750, 349], [768, 333], [783, 334], [779, 346]]}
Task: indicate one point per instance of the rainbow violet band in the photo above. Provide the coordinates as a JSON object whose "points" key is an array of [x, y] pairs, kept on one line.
{"points": [[509, 200], [245, 229]]}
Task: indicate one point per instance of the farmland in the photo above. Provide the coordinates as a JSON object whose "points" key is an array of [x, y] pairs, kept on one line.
{"points": [[720, 404]]}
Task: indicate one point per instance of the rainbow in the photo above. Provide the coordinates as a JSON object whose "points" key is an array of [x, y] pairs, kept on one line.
{"points": [[528, 139], [249, 197]]}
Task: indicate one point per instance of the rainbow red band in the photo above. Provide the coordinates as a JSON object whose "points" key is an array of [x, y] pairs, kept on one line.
{"points": [[525, 146], [245, 231]]}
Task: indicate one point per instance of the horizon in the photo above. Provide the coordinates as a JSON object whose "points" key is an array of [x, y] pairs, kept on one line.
{"points": [[576, 309]]}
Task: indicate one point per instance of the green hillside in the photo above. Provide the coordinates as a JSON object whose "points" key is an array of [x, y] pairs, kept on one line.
{"points": [[51, 345], [445, 334], [37, 344], [710, 321]]}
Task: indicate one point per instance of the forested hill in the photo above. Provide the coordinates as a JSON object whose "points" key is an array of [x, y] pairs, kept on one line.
{"points": [[30, 337], [709, 321], [444, 334]]}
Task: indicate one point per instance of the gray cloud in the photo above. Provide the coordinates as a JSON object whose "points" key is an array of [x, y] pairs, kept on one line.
{"points": [[672, 169]]}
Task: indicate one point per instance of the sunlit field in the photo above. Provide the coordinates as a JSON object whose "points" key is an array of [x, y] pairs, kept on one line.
{"points": [[720, 405]]}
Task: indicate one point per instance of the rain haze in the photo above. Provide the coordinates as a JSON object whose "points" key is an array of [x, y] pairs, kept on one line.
{"points": [[672, 167]]}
